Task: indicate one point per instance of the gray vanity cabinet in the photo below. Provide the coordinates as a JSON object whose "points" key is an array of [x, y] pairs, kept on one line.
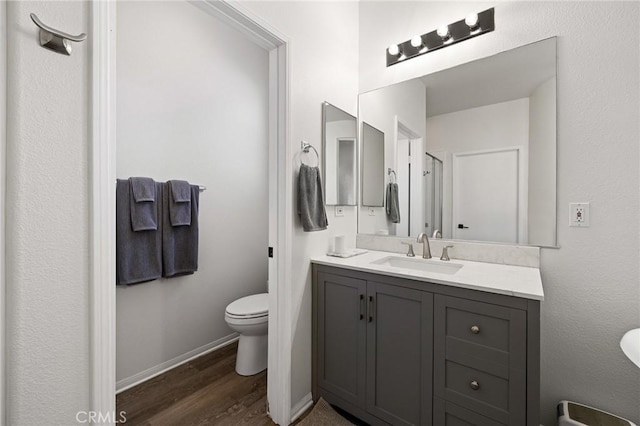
{"points": [[404, 352], [373, 352]]}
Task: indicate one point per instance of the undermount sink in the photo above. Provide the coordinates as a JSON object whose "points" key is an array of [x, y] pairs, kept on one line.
{"points": [[424, 265]]}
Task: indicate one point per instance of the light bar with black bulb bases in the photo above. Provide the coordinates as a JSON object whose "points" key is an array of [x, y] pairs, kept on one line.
{"points": [[473, 25]]}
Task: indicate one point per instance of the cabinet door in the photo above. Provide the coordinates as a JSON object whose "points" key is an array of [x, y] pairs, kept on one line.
{"points": [[341, 350], [399, 354]]}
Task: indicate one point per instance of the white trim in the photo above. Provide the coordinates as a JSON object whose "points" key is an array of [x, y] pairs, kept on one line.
{"points": [[103, 291], [302, 406], [156, 370], [103, 205], [3, 195]]}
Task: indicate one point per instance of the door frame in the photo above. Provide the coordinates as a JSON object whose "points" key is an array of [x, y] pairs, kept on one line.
{"points": [[103, 176], [523, 188], [3, 162]]}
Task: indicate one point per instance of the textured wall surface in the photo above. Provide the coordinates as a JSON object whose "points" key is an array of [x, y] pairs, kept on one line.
{"points": [[199, 114], [47, 218], [323, 64], [592, 282]]}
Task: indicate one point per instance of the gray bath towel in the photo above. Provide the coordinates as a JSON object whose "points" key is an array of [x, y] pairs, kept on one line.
{"points": [[393, 205], [138, 254], [144, 204], [180, 243], [179, 202], [310, 200]]}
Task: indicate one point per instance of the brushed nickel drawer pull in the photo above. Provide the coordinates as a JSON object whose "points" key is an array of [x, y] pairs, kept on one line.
{"points": [[475, 329], [474, 385]]}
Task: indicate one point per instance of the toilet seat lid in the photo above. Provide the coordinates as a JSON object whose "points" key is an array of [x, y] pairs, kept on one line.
{"points": [[254, 305]]}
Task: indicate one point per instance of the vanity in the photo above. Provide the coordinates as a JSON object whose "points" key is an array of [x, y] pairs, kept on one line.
{"points": [[411, 341]]}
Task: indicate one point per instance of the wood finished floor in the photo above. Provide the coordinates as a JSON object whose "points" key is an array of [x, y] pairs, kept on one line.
{"points": [[205, 391]]}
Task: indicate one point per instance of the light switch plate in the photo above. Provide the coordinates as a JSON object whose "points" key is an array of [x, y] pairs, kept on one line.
{"points": [[579, 215], [339, 211]]}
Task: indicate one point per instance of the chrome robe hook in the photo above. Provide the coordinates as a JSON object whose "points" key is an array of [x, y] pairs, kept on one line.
{"points": [[55, 40]]}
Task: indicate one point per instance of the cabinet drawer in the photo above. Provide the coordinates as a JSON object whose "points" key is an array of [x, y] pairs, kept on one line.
{"points": [[491, 333], [448, 414], [482, 389]]}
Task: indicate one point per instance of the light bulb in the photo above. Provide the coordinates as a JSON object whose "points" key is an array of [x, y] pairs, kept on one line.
{"points": [[393, 50], [416, 41], [471, 20], [443, 31]]}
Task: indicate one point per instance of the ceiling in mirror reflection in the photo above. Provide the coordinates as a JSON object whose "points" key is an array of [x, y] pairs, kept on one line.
{"points": [[510, 75], [492, 122]]}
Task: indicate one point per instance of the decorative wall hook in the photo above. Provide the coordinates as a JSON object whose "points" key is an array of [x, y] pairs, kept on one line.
{"points": [[55, 40]]}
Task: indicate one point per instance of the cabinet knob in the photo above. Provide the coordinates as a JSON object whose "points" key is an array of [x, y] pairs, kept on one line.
{"points": [[474, 385], [475, 329]]}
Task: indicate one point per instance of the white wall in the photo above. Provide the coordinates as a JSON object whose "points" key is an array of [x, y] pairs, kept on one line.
{"points": [[542, 129], [496, 126], [591, 282], [379, 108], [47, 237], [324, 62], [192, 103]]}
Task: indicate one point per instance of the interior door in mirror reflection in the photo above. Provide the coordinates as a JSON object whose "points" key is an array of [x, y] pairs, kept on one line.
{"points": [[486, 195]]}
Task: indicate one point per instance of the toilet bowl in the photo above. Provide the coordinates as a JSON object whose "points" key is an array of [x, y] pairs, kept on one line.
{"points": [[249, 317]]}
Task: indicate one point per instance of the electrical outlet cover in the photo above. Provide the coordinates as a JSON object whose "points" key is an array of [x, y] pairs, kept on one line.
{"points": [[579, 215]]}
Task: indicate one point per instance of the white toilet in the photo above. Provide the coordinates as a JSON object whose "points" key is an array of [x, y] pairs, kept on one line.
{"points": [[249, 316]]}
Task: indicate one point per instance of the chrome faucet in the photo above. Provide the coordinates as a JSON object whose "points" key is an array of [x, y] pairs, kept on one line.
{"points": [[426, 249]]}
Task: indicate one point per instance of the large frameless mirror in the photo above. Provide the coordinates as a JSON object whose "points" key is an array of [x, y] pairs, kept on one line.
{"points": [[340, 147], [469, 152]]}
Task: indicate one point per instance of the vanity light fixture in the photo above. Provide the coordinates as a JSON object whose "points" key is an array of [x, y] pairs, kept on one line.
{"points": [[473, 25]]}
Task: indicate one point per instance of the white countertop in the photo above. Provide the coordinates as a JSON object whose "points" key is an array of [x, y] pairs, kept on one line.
{"points": [[517, 281]]}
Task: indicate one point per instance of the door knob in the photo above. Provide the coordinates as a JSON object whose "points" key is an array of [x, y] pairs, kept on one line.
{"points": [[474, 385]]}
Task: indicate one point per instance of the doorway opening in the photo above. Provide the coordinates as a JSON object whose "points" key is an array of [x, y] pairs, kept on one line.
{"points": [[104, 173]]}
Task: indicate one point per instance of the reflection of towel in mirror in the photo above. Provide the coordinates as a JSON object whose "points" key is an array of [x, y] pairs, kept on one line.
{"points": [[393, 206], [310, 200]]}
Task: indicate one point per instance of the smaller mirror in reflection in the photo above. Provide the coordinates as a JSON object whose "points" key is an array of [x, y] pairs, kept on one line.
{"points": [[340, 156], [372, 166]]}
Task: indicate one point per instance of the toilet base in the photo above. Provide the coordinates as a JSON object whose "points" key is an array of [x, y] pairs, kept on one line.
{"points": [[252, 355]]}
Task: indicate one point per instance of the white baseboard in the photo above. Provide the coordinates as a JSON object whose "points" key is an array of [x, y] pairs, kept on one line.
{"points": [[154, 371], [302, 406]]}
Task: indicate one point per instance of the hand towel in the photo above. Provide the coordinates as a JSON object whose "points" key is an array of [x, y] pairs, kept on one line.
{"points": [[144, 210], [179, 202], [180, 243], [138, 254], [393, 205], [311, 200]]}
